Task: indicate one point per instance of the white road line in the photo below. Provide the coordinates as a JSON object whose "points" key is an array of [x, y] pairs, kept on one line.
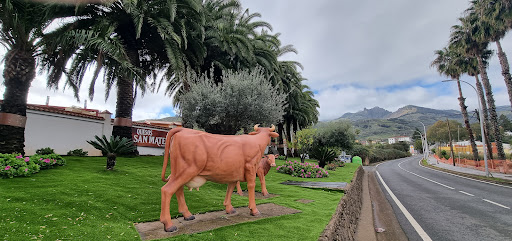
{"points": [[495, 184], [469, 194], [425, 177], [495, 203], [409, 217]]}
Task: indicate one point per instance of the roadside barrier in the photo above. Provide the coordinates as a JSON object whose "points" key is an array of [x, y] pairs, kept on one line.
{"points": [[500, 166]]}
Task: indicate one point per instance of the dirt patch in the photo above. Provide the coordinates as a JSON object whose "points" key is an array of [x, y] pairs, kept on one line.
{"points": [[257, 195], [304, 201], [209, 221]]}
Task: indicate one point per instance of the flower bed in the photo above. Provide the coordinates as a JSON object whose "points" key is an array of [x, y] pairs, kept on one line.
{"points": [[15, 165], [303, 170]]}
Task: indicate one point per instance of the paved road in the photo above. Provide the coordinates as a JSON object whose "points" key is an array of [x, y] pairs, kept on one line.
{"points": [[445, 207]]}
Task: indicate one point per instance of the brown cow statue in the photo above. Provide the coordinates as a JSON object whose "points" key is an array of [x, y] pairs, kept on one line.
{"points": [[266, 163], [197, 157]]}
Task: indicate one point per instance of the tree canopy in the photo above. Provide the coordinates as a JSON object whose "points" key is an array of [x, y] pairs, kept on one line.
{"points": [[241, 100]]}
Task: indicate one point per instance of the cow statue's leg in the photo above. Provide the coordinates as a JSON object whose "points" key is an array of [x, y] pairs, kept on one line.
{"points": [[170, 188], [239, 189], [261, 176], [250, 177], [227, 200], [182, 205], [165, 214]]}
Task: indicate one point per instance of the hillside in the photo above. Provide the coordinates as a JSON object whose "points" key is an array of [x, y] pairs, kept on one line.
{"points": [[373, 113], [374, 124]]}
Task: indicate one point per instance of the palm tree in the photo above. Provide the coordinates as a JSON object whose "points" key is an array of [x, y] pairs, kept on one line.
{"points": [[472, 69], [231, 42], [450, 62], [112, 148], [132, 41], [22, 24], [491, 19], [462, 37]]}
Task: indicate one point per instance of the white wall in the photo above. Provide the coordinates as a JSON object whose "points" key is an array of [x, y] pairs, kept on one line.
{"points": [[62, 132]]}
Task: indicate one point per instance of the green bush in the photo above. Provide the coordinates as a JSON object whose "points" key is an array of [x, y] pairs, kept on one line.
{"points": [[14, 165], [45, 151], [378, 155], [323, 155], [445, 154], [48, 161], [77, 152], [304, 170]]}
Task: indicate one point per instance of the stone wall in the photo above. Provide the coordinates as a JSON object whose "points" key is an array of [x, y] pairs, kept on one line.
{"points": [[344, 221]]}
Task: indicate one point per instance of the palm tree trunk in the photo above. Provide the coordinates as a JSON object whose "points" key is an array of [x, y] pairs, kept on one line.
{"points": [[280, 131], [450, 137], [492, 109], [505, 69], [288, 131], [486, 124], [464, 110], [20, 70], [124, 109]]}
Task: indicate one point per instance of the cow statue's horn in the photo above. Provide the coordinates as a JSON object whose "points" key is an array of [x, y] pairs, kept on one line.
{"points": [[256, 127], [272, 128]]}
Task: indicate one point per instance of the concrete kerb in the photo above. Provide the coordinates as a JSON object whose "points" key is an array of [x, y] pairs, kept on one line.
{"points": [[467, 172]]}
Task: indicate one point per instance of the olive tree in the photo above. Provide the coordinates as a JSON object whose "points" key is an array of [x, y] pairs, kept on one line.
{"points": [[330, 138], [240, 100]]}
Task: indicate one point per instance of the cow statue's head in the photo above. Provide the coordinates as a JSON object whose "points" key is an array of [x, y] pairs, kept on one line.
{"points": [[270, 130], [271, 160]]}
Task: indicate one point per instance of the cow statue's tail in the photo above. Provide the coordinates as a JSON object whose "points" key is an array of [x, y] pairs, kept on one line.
{"points": [[168, 141]]}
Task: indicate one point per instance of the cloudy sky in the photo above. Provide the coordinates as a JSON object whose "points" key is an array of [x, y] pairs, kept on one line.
{"points": [[356, 54]]}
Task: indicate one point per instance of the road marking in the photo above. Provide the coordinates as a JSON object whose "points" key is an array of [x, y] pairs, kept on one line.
{"points": [[424, 177], [495, 184], [409, 217], [469, 194], [495, 203]]}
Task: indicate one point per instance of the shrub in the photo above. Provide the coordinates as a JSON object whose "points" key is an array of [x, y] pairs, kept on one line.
{"points": [[378, 155], [14, 165], [48, 161], [45, 151], [445, 154], [113, 147], [77, 152], [323, 155], [331, 167], [303, 170]]}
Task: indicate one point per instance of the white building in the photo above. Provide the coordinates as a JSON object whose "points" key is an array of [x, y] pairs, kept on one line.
{"points": [[397, 139], [69, 128]]}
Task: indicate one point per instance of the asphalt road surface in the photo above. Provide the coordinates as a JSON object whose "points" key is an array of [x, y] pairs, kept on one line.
{"points": [[439, 206]]}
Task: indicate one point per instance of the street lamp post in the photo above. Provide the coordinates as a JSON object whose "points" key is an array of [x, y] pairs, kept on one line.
{"points": [[481, 124]]}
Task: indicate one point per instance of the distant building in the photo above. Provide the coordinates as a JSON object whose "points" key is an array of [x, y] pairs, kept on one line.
{"points": [[397, 139]]}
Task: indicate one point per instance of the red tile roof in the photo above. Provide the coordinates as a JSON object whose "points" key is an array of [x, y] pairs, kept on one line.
{"points": [[62, 110]]}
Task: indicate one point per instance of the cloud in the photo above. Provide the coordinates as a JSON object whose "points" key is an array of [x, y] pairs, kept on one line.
{"points": [[356, 54]]}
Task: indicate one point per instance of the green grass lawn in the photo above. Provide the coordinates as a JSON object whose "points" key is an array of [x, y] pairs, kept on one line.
{"points": [[83, 201]]}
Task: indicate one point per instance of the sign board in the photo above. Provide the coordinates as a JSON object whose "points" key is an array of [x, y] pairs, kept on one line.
{"points": [[148, 137]]}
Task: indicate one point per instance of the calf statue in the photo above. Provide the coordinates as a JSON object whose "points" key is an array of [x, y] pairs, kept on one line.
{"points": [[264, 166], [197, 157]]}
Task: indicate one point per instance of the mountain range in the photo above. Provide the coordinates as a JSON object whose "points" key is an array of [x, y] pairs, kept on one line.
{"points": [[378, 123]]}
